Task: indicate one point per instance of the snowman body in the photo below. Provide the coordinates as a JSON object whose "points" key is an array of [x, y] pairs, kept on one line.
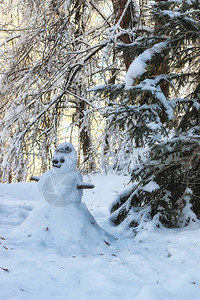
{"points": [[59, 185]]}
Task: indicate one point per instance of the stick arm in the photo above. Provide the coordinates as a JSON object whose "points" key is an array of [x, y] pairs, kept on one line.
{"points": [[80, 186]]}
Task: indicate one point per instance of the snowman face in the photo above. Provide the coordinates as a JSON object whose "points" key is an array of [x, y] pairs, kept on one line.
{"points": [[64, 158]]}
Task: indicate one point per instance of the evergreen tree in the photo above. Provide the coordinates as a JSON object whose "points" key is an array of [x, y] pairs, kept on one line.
{"points": [[158, 108]]}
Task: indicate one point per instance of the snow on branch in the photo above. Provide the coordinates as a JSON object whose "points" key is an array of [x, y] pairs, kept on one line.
{"points": [[138, 66]]}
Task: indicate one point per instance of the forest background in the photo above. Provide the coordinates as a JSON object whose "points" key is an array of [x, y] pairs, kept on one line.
{"points": [[121, 81]]}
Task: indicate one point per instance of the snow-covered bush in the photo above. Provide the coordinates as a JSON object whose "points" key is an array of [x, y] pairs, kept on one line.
{"points": [[165, 184]]}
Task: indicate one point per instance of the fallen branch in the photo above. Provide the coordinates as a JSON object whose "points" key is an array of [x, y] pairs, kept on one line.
{"points": [[4, 269]]}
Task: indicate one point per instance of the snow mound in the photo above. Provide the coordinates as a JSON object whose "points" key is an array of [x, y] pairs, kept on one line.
{"points": [[62, 227]]}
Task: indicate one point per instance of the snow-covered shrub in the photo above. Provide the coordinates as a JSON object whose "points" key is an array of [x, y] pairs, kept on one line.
{"points": [[167, 184]]}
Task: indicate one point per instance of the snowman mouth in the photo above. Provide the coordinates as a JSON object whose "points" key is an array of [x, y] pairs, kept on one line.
{"points": [[56, 166]]}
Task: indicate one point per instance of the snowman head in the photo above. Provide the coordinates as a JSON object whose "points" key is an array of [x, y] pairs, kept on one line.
{"points": [[64, 158]]}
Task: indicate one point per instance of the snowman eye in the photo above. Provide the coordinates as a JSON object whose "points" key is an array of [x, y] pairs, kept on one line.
{"points": [[62, 160], [68, 149]]}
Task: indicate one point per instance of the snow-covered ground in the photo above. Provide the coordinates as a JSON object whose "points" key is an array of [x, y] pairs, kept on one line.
{"points": [[44, 256]]}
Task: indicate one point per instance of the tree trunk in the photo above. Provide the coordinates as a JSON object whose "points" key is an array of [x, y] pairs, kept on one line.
{"points": [[126, 22], [84, 130]]}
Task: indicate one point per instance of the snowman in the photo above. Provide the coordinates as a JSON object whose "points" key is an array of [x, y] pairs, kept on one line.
{"points": [[63, 184], [63, 221]]}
